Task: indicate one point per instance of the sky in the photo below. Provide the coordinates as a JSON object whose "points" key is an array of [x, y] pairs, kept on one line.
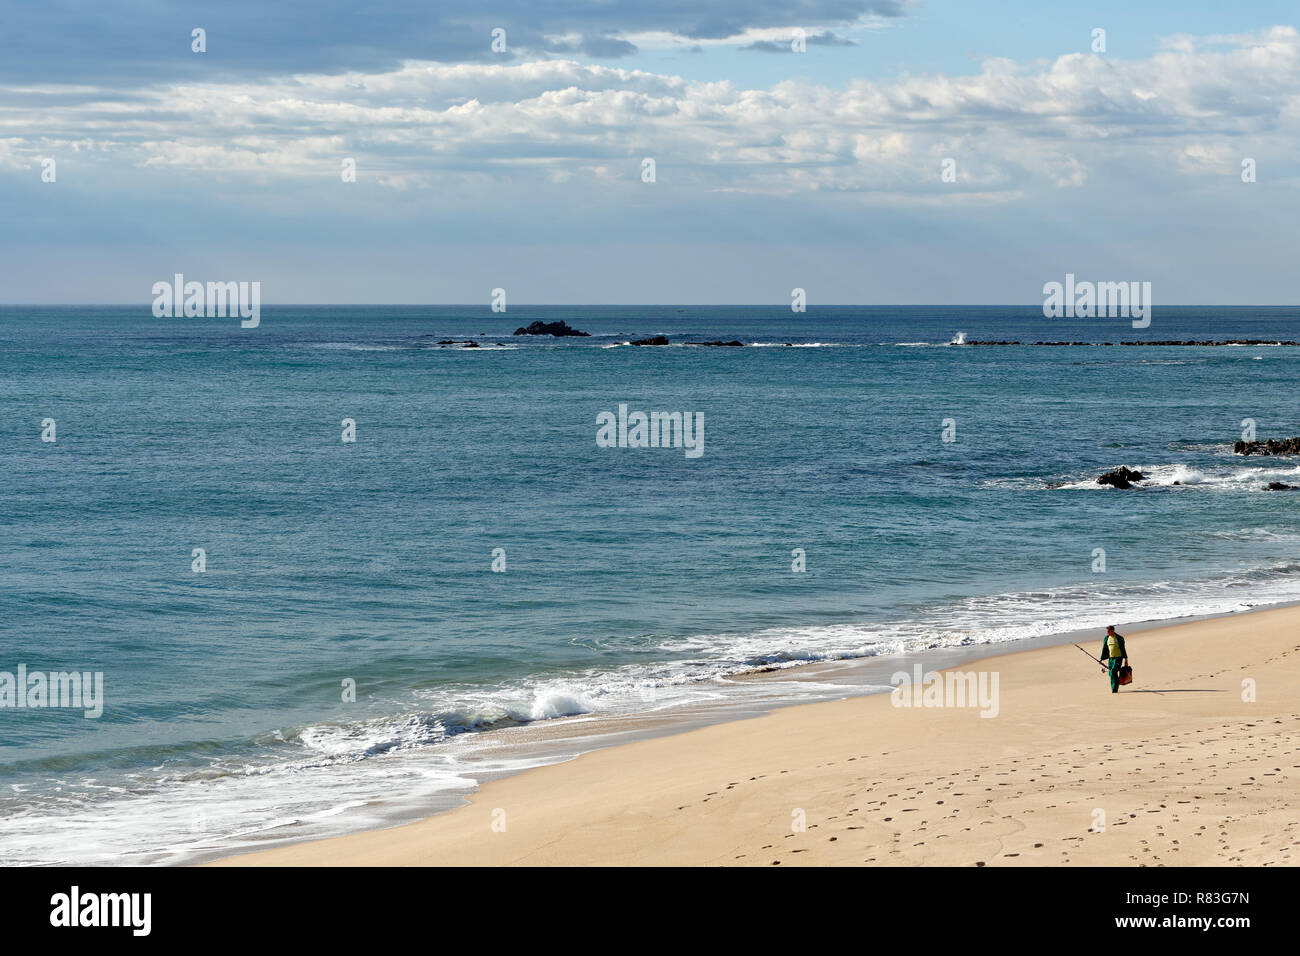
{"points": [[126, 155]]}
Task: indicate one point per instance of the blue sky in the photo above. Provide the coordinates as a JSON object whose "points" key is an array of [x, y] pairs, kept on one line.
{"points": [[522, 168]]}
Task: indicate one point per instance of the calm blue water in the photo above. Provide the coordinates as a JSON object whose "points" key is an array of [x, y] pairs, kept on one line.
{"points": [[636, 578]]}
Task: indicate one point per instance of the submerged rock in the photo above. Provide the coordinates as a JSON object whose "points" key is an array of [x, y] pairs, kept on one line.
{"points": [[718, 342], [1281, 486], [558, 329], [656, 340], [1121, 477]]}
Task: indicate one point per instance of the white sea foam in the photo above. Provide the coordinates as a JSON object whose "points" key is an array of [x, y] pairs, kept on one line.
{"points": [[334, 777], [356, 347], [1220, 478], [800, 345], [1256, 534]]}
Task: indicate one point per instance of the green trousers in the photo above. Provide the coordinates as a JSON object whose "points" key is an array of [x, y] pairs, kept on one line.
{"points": [[1115, 664]]}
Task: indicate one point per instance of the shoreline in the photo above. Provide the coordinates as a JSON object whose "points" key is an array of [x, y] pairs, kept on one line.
{"points": [[550, 792]]}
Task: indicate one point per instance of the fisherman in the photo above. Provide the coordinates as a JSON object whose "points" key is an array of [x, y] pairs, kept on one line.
{"points": [[1113, 654]]}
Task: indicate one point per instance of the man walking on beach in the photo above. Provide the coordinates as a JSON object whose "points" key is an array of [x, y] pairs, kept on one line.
{"points": [[1114, 654]]}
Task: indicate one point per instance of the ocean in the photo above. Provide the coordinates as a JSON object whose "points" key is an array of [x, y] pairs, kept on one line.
{"points": [[937, 496]]}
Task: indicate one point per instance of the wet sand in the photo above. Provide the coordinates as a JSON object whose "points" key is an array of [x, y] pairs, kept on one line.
{"points": [[1182, 768]]}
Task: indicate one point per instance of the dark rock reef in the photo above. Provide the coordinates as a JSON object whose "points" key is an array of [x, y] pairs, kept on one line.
{"points": [[557, 329], [1206, 342], [1121, 477], [1270, 446], [656, 340]]}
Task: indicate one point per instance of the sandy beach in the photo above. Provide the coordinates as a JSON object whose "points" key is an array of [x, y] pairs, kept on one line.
{"points": [[1195, 763]]}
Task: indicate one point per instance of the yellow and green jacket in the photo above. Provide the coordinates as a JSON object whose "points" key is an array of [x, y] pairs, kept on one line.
{"points": [[1113, 647]]}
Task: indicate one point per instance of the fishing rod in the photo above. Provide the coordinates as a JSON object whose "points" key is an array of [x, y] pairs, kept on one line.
{"points": [[1091, 658]]}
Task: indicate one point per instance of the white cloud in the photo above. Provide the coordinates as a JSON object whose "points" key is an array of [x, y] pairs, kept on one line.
{"points": [[1208, 157], [1010, 127]]}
